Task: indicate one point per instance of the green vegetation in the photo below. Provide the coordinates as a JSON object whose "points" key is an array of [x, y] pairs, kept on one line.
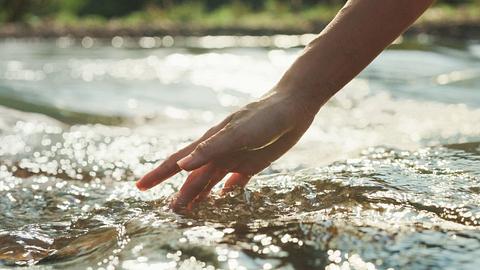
{"points": [[200, 14], [447, 12]]}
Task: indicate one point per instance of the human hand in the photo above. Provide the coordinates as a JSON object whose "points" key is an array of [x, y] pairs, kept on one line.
{"points": [[243, 144]]}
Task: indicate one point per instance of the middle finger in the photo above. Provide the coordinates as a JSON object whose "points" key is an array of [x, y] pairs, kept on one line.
{"points": [[196, 182]]}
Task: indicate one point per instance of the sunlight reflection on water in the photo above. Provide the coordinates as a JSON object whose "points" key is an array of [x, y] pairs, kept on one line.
{"points": [[386, 177]]}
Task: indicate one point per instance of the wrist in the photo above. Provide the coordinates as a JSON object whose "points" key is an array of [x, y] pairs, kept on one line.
{"points": [[299, 97], [308, 79]]}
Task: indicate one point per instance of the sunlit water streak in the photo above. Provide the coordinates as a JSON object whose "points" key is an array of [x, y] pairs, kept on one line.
{"points": [[388, 175]]}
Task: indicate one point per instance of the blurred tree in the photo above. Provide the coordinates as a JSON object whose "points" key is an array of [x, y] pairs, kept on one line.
{"points": [[111, 8], [68, 6], [14, 10], [455, 2], [19, 10], [165, 3]]}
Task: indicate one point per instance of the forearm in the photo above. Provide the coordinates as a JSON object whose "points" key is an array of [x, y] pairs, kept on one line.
{"points": [[359, 32]]}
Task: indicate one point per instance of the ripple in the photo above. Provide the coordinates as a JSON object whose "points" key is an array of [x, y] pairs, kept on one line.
{"points": [[379, 210], [381, 180]]}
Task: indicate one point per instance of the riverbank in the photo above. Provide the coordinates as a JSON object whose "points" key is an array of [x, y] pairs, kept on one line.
{"points": [[461, 22], [450, 30]]}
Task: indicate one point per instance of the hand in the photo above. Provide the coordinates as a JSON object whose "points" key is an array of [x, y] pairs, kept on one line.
{"points": [[245, 143]]}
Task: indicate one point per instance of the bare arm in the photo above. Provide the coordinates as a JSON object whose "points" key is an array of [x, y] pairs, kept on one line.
{"points": [[359, 32], [250, 139]]}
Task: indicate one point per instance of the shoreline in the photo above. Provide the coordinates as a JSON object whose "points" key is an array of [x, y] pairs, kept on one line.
{"points": [[445, 30]]}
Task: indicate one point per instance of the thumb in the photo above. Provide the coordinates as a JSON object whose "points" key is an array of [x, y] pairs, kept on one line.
{"points": [[214, 147]]}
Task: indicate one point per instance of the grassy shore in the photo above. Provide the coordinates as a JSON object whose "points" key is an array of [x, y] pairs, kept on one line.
{"points": [[458, 22]]}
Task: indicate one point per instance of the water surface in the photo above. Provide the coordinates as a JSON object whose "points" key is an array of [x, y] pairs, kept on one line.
{"points": [[388, 175]]}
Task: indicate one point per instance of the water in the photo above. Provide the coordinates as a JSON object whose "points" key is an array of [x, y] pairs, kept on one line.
{"points": [[388, 175]]}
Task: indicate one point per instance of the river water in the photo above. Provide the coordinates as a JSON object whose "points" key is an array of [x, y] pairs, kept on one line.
{"points": [[387, 177]]}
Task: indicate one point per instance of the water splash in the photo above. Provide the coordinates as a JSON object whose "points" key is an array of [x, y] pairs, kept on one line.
{"points": [[375, 183], [385, 204]]}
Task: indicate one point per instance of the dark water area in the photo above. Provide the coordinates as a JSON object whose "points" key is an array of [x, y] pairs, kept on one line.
{"points": [[387, 177]]}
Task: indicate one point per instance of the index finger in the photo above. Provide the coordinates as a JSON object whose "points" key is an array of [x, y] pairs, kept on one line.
{"points": [[169, 167], [165, 170]]}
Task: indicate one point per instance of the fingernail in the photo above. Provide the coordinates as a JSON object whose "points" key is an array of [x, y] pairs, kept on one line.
{"points": [[185, 162], [138, 184]]}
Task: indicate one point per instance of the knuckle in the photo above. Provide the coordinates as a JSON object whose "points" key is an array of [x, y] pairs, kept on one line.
{"points": [[174, 157], [202, 148], [210, 131], [232, 117], [171, 160], [240, 114]]}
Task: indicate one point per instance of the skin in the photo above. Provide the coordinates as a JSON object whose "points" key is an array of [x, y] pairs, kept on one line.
{"points": [[249, 140]]}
